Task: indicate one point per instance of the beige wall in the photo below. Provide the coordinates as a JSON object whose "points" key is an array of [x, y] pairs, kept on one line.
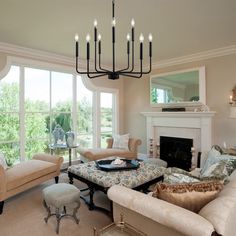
{"points": [[220, 80]]}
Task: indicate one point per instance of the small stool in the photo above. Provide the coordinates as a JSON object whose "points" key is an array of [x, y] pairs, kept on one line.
{"points": [[61, 196]]}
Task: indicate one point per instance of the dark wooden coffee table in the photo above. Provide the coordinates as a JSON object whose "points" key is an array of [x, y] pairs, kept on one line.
{"points": [[140, 179]]}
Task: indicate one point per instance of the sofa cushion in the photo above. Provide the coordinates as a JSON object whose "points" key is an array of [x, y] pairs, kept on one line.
{"points": [[27, 171], [191, 196]]}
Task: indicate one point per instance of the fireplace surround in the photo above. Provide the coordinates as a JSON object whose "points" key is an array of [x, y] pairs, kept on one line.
{"points": [[192, 125]]}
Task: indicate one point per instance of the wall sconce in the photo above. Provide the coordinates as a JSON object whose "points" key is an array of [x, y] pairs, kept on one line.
{"points": [[232, 102], [232, 97]]}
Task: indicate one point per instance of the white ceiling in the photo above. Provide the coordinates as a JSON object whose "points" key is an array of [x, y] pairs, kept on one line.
{"points": [[179, 27]]}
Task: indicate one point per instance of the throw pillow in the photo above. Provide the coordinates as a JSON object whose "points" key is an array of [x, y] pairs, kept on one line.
{"points": [[230, 163], [215, 170], [211, 159], [121, 142], [192, 196], [3, 161]]}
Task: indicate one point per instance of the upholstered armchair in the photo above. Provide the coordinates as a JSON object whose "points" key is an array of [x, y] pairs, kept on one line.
{"points": [[93, 154]]}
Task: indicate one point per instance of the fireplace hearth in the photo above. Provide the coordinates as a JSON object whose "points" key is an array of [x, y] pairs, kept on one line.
{"points": [[176, 151]]}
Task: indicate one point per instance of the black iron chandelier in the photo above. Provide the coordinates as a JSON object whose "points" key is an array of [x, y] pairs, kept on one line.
{"points": [[113, 73]]}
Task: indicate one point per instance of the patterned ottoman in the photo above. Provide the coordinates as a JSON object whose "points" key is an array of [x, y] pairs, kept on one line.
{"points": [[139, 179]]}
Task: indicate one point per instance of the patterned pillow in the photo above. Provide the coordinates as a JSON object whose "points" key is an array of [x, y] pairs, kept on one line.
{"points": [[221, 169], [211, 159], [177, 178], [3, 161], [175, 175], [191, 196], [121, 142], [217, 169]]}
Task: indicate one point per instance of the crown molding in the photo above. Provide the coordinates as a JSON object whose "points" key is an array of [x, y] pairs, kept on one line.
{"points": [[68, 61], [35, 54], [219, 52]]}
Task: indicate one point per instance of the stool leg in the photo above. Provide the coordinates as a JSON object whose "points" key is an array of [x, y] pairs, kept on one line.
{"points": [[64, 209], [48, 211], [58, 216], [74, 213]]}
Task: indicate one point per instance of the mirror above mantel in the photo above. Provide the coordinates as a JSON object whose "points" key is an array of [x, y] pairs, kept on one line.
{"points": [[178, 88]]}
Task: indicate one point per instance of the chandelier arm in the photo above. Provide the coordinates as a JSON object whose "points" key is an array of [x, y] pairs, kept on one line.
{"points": [[132, 74], [93, 72], [77, 67], [95, 58], [95, 76], [99, 64], [150, 67], [132, 66], [143, 72], [125, 69]]}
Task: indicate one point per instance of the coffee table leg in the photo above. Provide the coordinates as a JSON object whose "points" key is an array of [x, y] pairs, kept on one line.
{"points": [[70, 179], [91, 203]]}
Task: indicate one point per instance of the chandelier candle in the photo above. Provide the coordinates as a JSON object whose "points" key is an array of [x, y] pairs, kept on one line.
{"points": [[114, 73]]}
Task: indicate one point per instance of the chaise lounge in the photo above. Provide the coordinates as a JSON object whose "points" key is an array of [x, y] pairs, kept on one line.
{"points": [[28, 174], [93, 154]]}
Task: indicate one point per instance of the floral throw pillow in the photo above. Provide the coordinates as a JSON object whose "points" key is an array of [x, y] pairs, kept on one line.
{"points": [[175, 175], [3, 161], [121, 142]]}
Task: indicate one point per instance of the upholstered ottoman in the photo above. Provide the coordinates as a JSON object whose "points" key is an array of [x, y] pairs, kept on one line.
{"points": [[60, 196]]}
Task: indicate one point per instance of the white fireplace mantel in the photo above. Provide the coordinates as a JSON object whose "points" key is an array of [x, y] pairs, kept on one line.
{"points": [[201, 121]]}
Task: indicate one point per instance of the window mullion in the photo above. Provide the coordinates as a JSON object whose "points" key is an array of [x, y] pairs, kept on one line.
{"points": [[96, 119], [74, 112], [22, 114]]}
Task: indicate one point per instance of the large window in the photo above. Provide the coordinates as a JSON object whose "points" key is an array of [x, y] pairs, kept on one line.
{"points": [[106, 114], [85, 115], [33, 101], [9, 115]]}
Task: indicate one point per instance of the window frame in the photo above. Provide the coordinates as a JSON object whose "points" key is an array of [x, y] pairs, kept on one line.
{"points": [[96, 91]]}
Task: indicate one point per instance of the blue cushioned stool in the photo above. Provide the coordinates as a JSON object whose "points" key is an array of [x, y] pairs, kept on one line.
{"points": [[60, 196]]}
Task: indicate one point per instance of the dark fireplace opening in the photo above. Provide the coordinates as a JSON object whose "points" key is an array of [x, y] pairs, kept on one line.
{"points": [[176, 151]]}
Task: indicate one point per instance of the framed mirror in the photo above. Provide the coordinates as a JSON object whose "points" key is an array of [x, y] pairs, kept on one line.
{"points": [[178, 88]]}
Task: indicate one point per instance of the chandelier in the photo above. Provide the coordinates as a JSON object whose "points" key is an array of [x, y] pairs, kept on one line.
{"points": [[114, 73]]}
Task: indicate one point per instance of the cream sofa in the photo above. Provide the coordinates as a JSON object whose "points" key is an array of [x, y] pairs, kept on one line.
{"points": [[93, 154], [157, 217], [28, 174]]}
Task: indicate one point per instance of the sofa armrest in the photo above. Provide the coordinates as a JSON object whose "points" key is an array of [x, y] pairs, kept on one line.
{"points": [[160, 211], [133, 144], [2, 181], [47, 157], [109, 142]]}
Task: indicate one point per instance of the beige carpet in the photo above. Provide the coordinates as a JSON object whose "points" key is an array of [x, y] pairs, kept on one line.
{"points": [[23, 215]]}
